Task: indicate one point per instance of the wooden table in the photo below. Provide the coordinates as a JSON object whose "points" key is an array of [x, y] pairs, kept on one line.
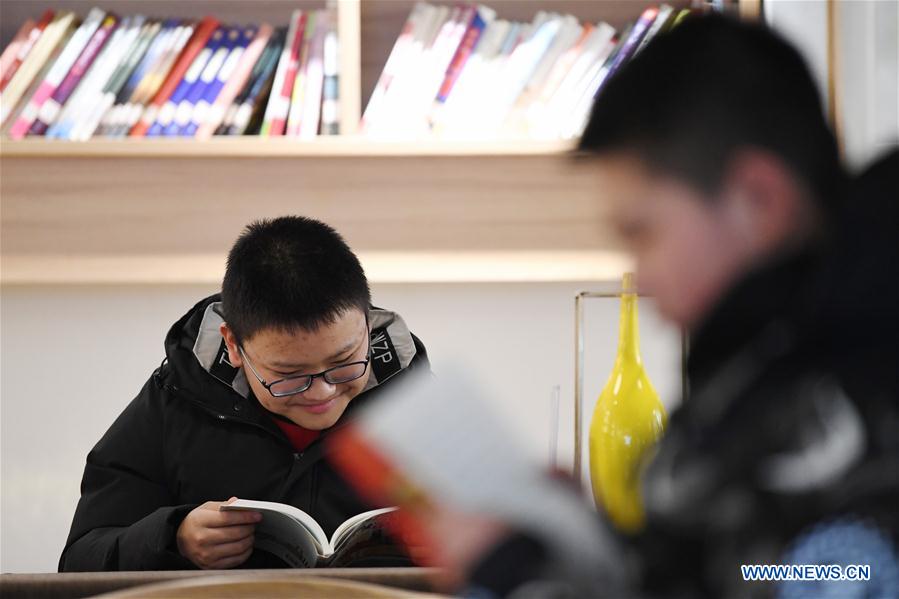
{"points": [[86, 584]]}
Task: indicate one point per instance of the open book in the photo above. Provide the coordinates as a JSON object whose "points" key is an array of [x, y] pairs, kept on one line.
{"points": [[294, 536]]}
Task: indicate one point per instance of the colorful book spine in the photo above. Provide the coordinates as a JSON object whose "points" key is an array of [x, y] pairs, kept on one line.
{"points": [[564, 64], [88, 124], [184, 108], [454, 117], [395, 61], [198, 90], [258, 106], [38, 79], [275, 118], [35, 61], [158, 43], [25, 48], [256, 99], [480, 17], [51, 109], [315, 74], [208, 84], [225, 72], [331, 83], [87, 93], [515, 123], [440, 56], [231, 111], [57, 73], [167, 112], [14, 47], [579, 109], [683, 14], [629, 46], [521, 65], [297, 97], [238, 117], [569, 33], [596, 50], [201, 35], [661, 24], [244, 72], [539, 123], [143, 95], [407, 102]]}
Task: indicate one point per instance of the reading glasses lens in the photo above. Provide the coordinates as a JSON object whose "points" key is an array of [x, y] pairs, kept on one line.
{"points": [[343, 374], [292, 386]]}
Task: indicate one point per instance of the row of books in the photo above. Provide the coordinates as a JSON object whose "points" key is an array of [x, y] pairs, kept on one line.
{"points": [[110, 76], [461, 72]]}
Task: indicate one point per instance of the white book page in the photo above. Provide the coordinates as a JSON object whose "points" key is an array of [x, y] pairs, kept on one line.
{"points": [[350, 525]]}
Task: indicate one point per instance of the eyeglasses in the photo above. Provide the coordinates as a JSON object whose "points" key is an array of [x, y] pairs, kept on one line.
{"points": [[297, 384]]}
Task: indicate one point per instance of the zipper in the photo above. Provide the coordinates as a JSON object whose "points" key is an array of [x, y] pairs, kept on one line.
{"points": [[218, 415], [313, 495]]}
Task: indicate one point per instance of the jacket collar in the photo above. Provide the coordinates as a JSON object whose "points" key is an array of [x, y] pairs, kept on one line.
{"points": [[200, 371], [778, 292], [760, 321]]}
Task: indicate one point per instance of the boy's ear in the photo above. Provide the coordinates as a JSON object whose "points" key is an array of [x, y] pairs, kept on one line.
{"points": [[231, 343], [767, 201]]}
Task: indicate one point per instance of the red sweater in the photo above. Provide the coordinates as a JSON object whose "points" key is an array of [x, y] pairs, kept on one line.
{"points": [[300, 437]]}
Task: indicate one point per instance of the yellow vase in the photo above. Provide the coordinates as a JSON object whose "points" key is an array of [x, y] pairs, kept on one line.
{"points": [[627, 421]]}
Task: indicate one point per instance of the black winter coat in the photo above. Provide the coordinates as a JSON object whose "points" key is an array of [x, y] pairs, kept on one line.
{"points": [[195, 433]]}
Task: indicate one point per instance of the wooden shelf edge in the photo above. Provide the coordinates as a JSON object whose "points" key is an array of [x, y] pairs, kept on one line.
{"points": [[254, 147], [380, 266]]}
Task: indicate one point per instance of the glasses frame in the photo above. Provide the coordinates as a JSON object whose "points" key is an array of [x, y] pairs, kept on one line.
{"points": [[323, 374]]}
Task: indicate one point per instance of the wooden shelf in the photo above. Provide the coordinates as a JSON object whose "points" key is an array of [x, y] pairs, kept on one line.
{"points": [[141, 212], [381, 267], [256, 147]]}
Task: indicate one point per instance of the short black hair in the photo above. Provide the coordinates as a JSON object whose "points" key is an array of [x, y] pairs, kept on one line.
{"points": [[709, 87], [290, 273]]}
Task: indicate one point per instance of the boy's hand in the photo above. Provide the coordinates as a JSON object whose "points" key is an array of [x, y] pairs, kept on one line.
{"points": [[213, 539]]}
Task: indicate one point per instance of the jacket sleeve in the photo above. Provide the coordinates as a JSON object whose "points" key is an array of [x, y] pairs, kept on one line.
{"points": [[126, 518]]}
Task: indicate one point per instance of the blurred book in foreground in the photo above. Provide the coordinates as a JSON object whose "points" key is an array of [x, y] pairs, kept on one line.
{"points": [[438, 443]]}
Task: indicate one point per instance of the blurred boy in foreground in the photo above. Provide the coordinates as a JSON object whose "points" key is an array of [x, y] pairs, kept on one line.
{"points": [[722, 178]]}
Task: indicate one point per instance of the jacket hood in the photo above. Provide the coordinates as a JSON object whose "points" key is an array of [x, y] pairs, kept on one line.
{"points": [[198, 366]]}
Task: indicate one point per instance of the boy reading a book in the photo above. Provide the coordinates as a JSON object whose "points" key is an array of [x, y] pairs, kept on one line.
{"points": [[253, 380]]}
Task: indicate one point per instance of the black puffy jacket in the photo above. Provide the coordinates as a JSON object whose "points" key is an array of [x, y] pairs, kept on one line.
{"points": [[195, 433]]}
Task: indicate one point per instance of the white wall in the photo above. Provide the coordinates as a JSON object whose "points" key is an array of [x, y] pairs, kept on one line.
{"points": [[804, 23], [866, 49], [72, 357], [868, 52]]}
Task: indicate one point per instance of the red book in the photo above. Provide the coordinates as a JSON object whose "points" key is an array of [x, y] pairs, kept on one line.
{"points": [[279, 116], [196, 44], [25, 48], [12, 49]]}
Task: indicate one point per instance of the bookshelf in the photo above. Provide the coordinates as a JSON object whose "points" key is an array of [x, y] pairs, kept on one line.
{"points": [[165, 211], [217, 147]]}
